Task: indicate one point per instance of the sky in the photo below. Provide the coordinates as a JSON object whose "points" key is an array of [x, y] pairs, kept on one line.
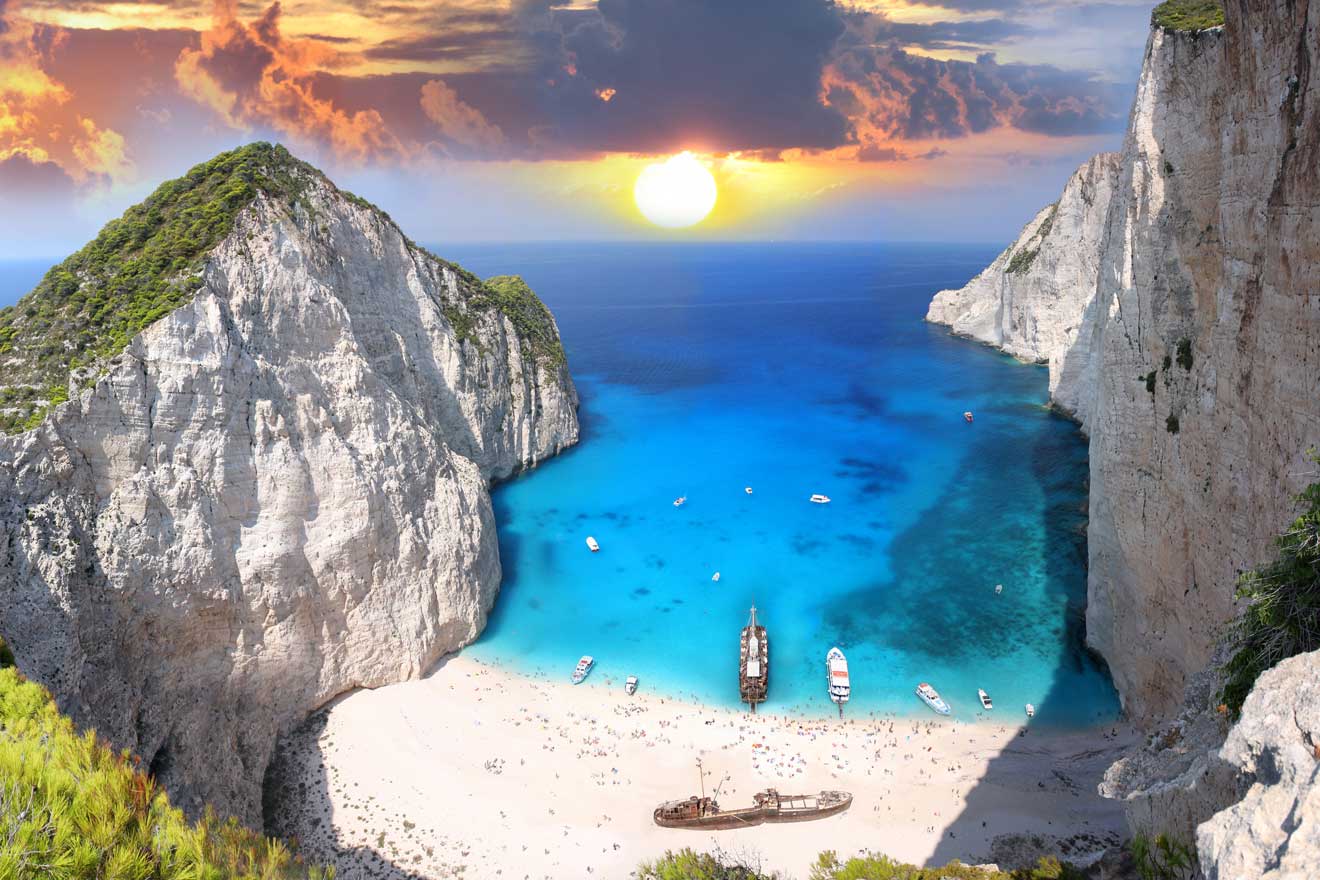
{"points": [[495, 120]]}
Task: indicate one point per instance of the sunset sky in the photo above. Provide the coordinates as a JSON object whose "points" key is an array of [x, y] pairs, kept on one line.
{"points": [[530, 119]]}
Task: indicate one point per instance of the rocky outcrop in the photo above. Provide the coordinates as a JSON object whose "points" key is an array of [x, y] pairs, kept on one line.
{"points": [[278, 492], [1035, 300], [1272, 832], [1247, 796], [1196, 366]]}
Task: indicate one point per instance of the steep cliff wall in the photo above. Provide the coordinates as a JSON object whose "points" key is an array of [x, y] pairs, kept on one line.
{"points": [[1035, 300], [1197, 370], [277, 492]]}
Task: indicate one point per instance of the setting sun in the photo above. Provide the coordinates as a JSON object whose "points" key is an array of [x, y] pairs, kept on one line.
{"points": [[675, 193]]}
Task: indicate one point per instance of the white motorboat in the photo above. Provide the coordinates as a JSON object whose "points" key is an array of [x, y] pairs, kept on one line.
{"points": [[715, 577], [680, 500], [591, 542], [836, 678], [985, 699], [1031, 711], [968, 415], [630, 686], [747, 489], [999, 589], [583, 669], [932, 698], [820, 499]]}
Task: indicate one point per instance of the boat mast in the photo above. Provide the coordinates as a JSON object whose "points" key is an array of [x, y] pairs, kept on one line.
{"points": [[701, 777]]}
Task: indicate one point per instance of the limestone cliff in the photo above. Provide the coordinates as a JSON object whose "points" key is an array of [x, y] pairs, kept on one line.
{"points": [[1197, 369], [1035, 300], [277, 491]]}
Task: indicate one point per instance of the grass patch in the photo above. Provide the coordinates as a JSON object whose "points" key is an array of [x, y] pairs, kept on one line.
{"points": [[1188, 15], [73, 809], [1282, 617]]}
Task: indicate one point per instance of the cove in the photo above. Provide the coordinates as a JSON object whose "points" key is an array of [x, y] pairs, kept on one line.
{"points": [[795, 369]]}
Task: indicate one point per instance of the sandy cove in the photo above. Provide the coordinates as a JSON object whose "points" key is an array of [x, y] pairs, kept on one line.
{"points": [[479, 772]]}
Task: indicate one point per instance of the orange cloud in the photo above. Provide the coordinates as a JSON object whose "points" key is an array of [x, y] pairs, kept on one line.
{"points": [[251, 76], [461, 124], [39, 120]]}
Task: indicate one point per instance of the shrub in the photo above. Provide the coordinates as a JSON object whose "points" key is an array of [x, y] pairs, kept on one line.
{"points": [[1188, 15], [1185, 353], [1165, 859], [72, 809], [1149, 380], [1171, 424], [1282, 616], [1021, 261], [688, 865]]}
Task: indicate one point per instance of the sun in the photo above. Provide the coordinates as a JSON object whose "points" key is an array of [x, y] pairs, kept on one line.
{"points": [[677, 192]]}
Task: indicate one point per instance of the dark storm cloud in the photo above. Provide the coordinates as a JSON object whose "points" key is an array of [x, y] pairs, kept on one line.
{"points": [[891, 94], [727, 74], [22, 177]]}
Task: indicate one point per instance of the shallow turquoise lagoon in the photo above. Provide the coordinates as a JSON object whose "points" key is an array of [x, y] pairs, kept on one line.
{"points": [[796, 369]]}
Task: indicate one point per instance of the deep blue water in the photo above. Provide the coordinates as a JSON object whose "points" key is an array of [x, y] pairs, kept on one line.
{"points": [[794, 369]]}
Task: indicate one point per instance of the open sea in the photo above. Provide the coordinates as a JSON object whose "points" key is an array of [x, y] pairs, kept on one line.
{"points": [[793, 369]]}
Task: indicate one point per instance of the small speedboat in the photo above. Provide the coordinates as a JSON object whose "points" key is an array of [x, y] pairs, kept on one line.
{"points": [[583, 669], [630, 686], [820, 499], [680, 500], [591, 542], [836, 678], [968, 415], [747, 489], [932, 698], [985, 699], [715, 577], [999, 589], [1031, 711]]}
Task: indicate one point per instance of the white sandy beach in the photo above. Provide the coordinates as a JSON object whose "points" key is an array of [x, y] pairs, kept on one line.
{"points": [[479, 772]]}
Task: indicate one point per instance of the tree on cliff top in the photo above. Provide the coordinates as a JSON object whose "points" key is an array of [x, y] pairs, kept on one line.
{"points": [[1282, 617]]}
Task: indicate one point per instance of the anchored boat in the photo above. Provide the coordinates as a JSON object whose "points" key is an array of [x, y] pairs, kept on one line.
{"points": [[820, 499], [753, 663], [630, 686], [836, 677], [768, 806], [591, 543], [932, 698], [583, 668], [986, 703]]}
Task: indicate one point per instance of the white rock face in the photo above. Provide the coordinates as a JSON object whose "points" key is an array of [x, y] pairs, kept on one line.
{"points": [[277, 493], [1193, 361], [1034, 301], [1272, 833]]}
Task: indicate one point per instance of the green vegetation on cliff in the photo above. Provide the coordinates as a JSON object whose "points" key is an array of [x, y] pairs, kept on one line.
{"points": [[148, 262], [72, 809], [1282, 617], [138, 269], [1188, 15]]}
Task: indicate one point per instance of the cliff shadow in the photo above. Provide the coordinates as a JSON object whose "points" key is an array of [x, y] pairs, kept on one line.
{"points": [[1038, 796], [298, 806]]}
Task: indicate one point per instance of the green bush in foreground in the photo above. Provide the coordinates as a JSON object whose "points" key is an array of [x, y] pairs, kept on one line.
{"points": [[1188, 15], [1282, 617], [72, 809], [688, 865], [1164, 859]]}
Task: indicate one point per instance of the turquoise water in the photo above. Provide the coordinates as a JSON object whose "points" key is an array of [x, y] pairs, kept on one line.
{"points": [[795, 369]]}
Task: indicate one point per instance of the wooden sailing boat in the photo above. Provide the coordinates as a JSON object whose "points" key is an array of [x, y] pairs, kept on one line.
{"points": [[753, 663]]}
